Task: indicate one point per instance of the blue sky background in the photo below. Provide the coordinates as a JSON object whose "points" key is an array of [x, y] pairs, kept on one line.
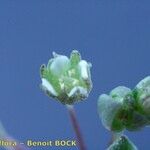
{"points": [[114, 35]]}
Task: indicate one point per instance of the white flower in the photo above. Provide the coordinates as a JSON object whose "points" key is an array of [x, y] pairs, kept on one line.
{"points": [[66, 79]]}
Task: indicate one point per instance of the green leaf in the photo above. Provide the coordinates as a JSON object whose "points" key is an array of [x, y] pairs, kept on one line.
{"points": [[142, 91], [109, 110]]}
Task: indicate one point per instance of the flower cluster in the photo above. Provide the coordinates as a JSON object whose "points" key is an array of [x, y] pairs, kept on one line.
{"points": [[68, 80]]}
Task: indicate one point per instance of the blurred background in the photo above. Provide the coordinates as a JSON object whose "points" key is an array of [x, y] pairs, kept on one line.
{"points": [[113, 35]]}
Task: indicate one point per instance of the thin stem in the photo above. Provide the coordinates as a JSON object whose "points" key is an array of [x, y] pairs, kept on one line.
{"points": [[76, 127], [114, 136]]}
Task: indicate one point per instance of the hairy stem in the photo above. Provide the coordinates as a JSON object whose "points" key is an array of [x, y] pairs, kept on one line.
{"points": [[76, 127]]}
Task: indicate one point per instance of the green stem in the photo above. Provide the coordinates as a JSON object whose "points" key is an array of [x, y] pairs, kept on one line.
{"points": [[76, 127]]}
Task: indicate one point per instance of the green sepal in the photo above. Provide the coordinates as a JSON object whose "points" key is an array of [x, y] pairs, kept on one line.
{"points": [[48, 75], [75, 58]]}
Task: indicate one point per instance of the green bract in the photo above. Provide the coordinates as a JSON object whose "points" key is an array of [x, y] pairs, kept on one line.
{"points": [[66, 79], [122, 143]]}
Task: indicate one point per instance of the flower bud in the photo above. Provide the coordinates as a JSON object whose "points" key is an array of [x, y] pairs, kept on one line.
{"points": [[68, 80]]}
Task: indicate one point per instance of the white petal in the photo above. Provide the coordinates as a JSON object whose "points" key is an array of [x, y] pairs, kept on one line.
{"points": [[83, 66], [49, 87], [59, 64], [79, 90]]}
